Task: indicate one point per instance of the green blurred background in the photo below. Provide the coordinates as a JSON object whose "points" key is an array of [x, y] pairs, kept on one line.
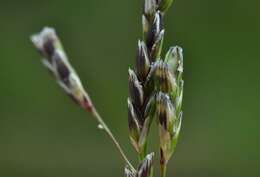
{"points": [[43, 134]]}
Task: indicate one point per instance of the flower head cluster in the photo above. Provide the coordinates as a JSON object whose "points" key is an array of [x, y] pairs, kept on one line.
{"points": [[155, 86], [141, 87]]}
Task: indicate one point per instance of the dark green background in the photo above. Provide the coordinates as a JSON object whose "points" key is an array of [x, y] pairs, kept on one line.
{"points": [[43, 134]]}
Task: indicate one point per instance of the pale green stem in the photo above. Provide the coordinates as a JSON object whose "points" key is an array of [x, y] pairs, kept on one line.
{"points": [[103, 126], [163, 170]]}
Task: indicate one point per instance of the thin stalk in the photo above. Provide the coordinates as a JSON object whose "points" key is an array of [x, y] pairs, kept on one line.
{"points": [[104, 127]]}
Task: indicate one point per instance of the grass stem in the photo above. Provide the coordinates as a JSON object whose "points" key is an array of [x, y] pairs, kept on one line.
{"points": [[104, 127], [163, 170]]}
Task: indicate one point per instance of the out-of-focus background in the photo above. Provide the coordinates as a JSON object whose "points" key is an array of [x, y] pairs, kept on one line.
{"points": [[43, 134]]}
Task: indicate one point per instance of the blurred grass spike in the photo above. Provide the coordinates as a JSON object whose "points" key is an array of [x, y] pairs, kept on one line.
{"points": [[56, 61]]}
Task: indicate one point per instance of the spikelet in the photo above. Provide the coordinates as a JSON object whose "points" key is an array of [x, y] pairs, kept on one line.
{"points": [[55, 60]]}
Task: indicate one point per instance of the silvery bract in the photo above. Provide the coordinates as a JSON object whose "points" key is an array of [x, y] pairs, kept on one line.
{"points": [[129, 173], [145, 169]]}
